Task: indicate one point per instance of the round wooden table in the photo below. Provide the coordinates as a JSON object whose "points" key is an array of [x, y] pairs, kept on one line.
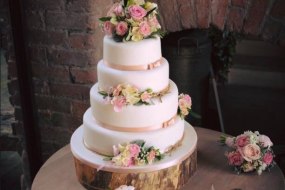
{"points": [[213, 173]]}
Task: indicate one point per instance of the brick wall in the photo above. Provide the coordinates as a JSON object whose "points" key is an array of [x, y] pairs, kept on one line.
{"points": [[64, 44], [262, 19]]}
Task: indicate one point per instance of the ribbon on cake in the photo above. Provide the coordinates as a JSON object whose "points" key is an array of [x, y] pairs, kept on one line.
{"points": [[134, 67], [165, 124]]}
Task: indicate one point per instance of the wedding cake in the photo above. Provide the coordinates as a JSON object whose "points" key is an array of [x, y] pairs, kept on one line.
{"points": [[134, 133]]}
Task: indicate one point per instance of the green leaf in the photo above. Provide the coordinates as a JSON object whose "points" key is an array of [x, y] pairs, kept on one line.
{"points": [[149, 12], [103, 93], [104, 19], [125, 3]]}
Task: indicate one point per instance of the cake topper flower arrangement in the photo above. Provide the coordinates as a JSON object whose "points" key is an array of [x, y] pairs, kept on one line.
{"points": [[132, 20], [251, 151]]}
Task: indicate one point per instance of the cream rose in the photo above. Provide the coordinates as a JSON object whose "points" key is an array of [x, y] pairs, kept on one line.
{"points": [[250, 152]]}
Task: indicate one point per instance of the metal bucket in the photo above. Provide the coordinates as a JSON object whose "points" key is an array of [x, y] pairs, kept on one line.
{"points": [[189, 57]]}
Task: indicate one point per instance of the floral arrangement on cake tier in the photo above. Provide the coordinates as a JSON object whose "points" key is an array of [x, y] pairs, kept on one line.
{"points": [[125, 94], [132, 20], [184, 105], [251, 152], [134, 154]]}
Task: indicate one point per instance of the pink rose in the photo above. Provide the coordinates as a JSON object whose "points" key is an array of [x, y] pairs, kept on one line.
{"points": [[145, 97], [134, 150], [242, 140], [230, 142], [267, 158], [250, 152], [265, 141], [187, 98], [121, 28], [116, 9], [119, 102], [108, 28], [153, 22], [137, 12], [131, 162], [145, 29], [235, 158]]}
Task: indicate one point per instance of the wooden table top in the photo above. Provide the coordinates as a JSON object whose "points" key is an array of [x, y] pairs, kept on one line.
{"points": [[58, 172]]}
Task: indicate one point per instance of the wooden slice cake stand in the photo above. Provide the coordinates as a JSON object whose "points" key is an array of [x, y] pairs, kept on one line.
{"points": [[172, 172]]}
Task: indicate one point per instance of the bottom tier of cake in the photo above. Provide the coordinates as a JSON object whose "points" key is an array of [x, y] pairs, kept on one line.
{"points": [[172, 172]]}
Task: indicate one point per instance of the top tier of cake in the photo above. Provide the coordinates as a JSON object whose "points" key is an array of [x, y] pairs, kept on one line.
{"points": [[131, 54]]}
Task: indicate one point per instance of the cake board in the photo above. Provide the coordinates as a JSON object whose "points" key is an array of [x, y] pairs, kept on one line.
{"points": [[172, 172]]}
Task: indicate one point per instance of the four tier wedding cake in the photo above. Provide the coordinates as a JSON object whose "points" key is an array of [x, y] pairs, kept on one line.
{"points": [[134, 133]]}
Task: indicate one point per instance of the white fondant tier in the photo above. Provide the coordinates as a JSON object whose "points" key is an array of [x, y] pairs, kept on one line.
{"points": [[132, 116], [131, 53], [101, 140], [157, 79], [95, 160]]}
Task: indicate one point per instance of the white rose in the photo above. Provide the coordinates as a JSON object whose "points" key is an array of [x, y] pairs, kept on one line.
{"points": [[265, 141]]}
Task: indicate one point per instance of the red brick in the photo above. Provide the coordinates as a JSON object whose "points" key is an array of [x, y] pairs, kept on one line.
{"points": [[51, 38], [41, 87], [219, 12], [44, 102], [240, 3], [278, 10], [88, 6], [170, 15], [66, 121], [73, 58], [88, 75], [203, 13], [34, 20], [50, 73], [44, 4], [255, 16], [71, 20], [75, 91], [55, 134], [187, 18], [235, 19], [83, 41], [78, 108], [37, 55]]}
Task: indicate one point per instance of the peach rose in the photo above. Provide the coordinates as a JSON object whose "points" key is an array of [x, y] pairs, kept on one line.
{"points": [[250, 152]]}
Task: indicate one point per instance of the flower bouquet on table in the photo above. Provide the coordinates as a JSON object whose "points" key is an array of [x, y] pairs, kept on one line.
{"points": [[132, 20], [251, 151]]}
